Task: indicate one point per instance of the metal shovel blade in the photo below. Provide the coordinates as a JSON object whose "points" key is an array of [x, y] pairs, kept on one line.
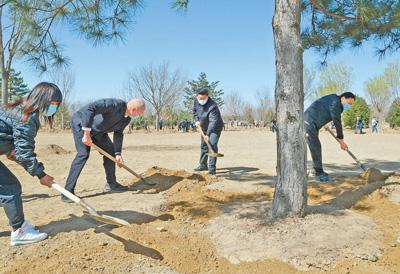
{"points": [[89, 210], [215, 154], [106, 219]]}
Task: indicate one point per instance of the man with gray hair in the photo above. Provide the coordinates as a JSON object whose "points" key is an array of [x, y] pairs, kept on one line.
{"points": [[91, 124]]}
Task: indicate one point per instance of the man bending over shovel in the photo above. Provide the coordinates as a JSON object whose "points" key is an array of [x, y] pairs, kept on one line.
{"points": [[324, 110], [91, 124], [208, 118]]}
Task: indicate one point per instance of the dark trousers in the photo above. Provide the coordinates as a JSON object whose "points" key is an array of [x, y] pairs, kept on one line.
{"points": [[83, 151], [314, 145], [213, 141], [10, 197]]}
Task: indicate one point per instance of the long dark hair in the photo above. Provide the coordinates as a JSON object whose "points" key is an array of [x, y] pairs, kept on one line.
{"points": [[38, 99]]}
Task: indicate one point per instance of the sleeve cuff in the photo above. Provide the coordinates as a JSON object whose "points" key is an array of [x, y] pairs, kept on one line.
{"points": [[87, 129], [41, 175], [117, 153]]}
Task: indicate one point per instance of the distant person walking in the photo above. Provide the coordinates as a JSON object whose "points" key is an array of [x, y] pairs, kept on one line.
{"points": [[359, 125], [374, 125], [324, 110], [207, 116]]}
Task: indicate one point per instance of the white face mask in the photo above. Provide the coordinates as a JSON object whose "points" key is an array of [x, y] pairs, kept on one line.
{"points": [[202, 102]]}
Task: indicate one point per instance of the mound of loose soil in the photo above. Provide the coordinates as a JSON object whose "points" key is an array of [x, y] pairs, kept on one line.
{"points": [[373, 175], [53, 149]]}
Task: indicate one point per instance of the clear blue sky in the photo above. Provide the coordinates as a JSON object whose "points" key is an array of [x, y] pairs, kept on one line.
{"points": [[231, 41]]}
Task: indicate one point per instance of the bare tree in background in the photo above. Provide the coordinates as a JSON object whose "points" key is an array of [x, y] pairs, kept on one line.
{"points": [[247, 113], [160, 86], [335, 78], [64, 78], [265, 105], [392, 78], [310, 90], [233, 105], [379, 95]]}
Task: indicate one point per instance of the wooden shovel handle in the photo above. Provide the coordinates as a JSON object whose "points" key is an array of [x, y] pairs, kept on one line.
{"points": [[74, 198], [66, 193], [347, 150], [204, 136], [104, 153]]}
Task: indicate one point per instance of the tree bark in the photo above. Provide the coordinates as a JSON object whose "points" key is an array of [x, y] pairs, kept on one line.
{"points": [[290, 197], [4, 87]]}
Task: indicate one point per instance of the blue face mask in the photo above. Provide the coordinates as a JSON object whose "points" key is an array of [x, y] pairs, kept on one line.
{"points": [[51, 110], [346, 106]]}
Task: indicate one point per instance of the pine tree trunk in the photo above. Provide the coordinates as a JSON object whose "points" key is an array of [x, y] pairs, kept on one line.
{"points": [[290, 197], [4, 87]]}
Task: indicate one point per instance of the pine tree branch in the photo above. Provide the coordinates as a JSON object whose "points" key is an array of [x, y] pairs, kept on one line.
{"points": [[319, 7]]}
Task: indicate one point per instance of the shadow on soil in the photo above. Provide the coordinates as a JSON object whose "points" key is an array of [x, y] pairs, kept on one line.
{"points": [[246, 174], [75, 223], [132, 246]]}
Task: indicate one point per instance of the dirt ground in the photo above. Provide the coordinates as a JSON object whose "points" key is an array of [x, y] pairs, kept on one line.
{"points": [[195, 223]]}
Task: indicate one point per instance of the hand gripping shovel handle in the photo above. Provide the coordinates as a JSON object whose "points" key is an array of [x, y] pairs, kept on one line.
{"points": [[104, 153], [348, 151], [208, 144]]}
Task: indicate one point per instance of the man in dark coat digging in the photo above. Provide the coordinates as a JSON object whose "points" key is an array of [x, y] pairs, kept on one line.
{"points": [[207, 116], [324, 110], [91, 124]]}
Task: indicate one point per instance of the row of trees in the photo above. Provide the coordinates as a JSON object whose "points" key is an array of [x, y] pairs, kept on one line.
{"points": [[170, 97]]}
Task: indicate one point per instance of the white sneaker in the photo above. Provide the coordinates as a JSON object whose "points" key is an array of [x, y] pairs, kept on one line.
{"points": [[26, 234]]}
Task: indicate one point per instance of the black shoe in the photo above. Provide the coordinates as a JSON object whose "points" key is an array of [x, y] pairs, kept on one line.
{"points": [[200, 168], [212, 172], [65, 199], [115, 187]]}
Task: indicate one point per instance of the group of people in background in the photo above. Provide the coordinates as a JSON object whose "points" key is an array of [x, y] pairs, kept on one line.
{"points": [[360, 125]]}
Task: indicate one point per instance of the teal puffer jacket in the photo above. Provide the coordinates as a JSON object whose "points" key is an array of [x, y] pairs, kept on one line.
{"points": [[19, 136]]}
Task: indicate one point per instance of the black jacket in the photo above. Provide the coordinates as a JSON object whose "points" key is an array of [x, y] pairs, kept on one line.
{"points": [[326, 109], [20, 136], [209, 117], [104, 116]]}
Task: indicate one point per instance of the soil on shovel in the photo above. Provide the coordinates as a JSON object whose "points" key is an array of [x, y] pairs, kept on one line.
{"points": [[373, 175]]}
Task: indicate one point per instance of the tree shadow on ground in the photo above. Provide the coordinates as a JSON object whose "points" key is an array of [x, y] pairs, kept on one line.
{"points": [[131, 246], [161, 183], [208, 206], [246, 174], [33, 197], [346, 199], [353, 169], [5, 233], [75, 223]]}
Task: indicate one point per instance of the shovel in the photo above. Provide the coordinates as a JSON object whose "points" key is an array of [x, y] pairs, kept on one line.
{"points": [[211, 152], [88, 210], [104, 153], [348, 151], [371, 174]]}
